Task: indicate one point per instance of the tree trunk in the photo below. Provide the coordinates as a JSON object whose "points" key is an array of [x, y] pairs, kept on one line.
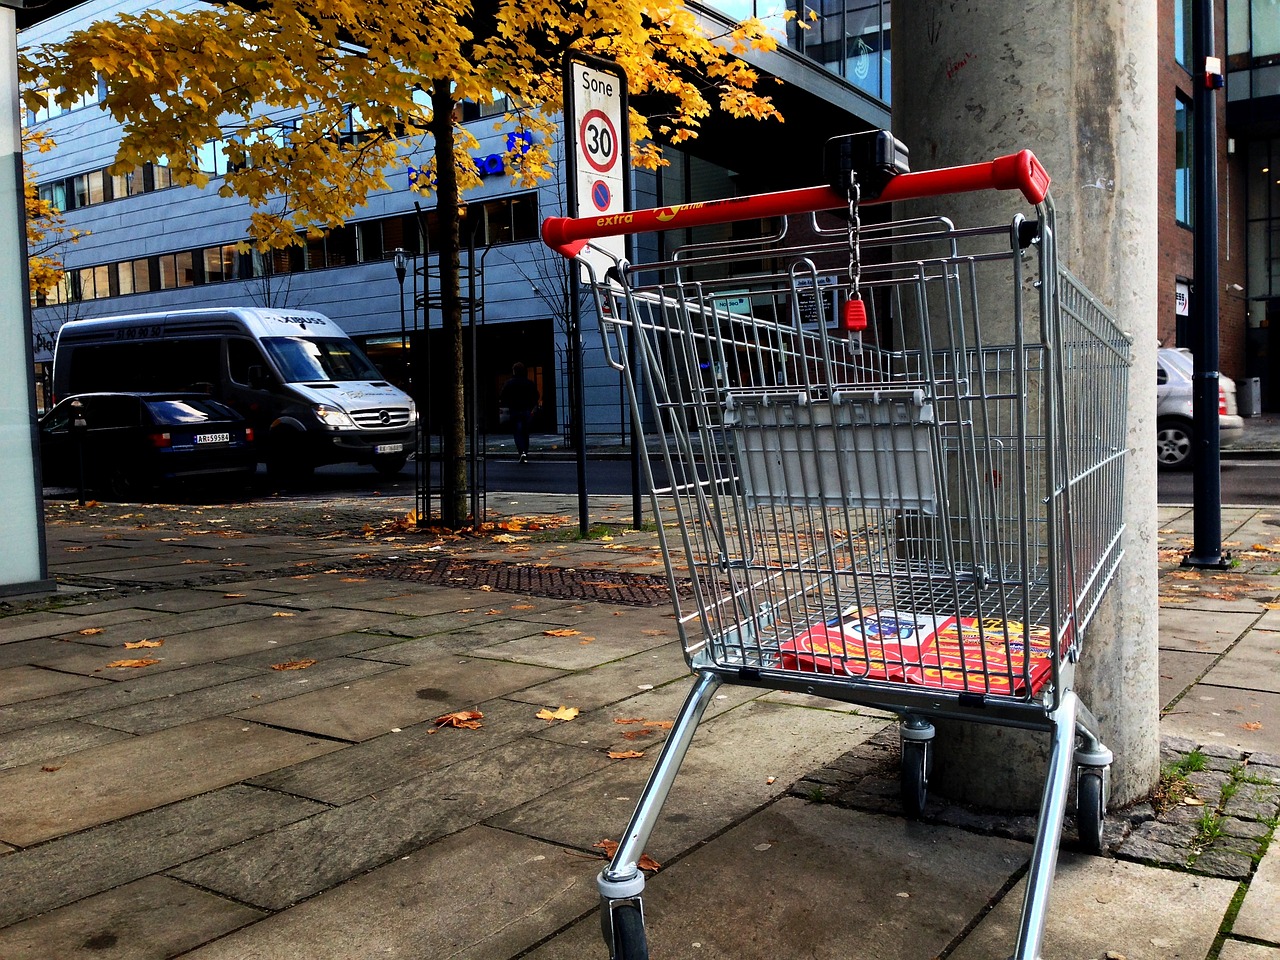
{"points": [[453, 440]]}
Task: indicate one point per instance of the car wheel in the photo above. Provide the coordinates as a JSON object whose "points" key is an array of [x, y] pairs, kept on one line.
{"points": [[1173, 444], [125, 485]]}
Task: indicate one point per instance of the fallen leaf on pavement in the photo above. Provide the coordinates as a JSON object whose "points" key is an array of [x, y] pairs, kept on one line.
{"points": [[566, 632], [1192, 802], [294, 665], [50, 769], [144, 644], [564, 713], [637, 734], [232, 596], [461, 719], [625, 754], [89, 631], [1252, 725], [283, 613], [142, 662], [646, 862]]}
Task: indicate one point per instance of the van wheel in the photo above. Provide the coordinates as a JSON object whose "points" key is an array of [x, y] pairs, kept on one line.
{"points": [[390, 464], [286, 462]]}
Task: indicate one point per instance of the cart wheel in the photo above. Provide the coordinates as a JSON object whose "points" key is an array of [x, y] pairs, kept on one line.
{"points": [[629, 942], [915, 775], [1089, 810]]}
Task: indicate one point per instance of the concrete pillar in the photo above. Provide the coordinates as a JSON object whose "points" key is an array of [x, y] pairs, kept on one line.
{"points": [[1075, 82], [23, 566]]}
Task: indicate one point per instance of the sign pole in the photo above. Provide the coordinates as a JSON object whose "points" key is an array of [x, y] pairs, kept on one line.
{"points": [[597, 158]]}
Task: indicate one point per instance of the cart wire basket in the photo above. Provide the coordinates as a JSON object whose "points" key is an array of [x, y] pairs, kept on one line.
{"points": [[888, 459]]}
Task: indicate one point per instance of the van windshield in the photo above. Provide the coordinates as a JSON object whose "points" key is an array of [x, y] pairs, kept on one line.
{"points": [[306, 360]]}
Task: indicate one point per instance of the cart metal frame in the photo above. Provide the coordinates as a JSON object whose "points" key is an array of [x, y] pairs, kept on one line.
{"points": [[847, 481]]}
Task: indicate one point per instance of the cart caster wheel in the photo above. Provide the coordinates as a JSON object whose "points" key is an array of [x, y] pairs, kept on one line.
{"points": [[916, 761], [1090, 809], [629, 941]]}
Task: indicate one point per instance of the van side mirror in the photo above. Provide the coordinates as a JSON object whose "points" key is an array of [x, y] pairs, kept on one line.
{"points": [[258, 378]]}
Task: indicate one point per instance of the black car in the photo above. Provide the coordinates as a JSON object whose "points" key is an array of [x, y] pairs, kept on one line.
{"points": [[125, 444]]}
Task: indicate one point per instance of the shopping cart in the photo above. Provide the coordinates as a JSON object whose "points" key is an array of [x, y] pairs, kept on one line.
{"points": [[891, 460]]}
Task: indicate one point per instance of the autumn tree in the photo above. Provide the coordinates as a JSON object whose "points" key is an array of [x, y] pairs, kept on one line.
{"points": [[47, 232], [274, 82]]}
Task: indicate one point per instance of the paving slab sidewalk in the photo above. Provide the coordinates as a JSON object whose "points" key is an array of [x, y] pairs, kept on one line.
{"points": [[320, 812]]}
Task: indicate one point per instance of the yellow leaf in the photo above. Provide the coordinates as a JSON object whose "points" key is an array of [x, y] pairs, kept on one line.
{"points": [[1252, 725], [89, 631], [294, 665], [132, 664], [283, 613], [563, 713], [625, 754], [144, 644], [461, 719], [564, 632], [232, 596]]}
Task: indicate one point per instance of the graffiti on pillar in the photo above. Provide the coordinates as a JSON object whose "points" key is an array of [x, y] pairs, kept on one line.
{"points": [[959, 63]]}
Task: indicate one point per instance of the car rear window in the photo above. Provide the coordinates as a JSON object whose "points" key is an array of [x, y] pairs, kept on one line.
{"points": [[186, 411]]}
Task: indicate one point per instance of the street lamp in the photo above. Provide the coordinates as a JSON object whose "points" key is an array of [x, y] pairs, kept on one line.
{"points": [[401, 264]]}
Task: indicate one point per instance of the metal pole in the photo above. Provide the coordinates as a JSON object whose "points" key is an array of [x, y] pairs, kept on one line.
{"points": [[579, 404], [1206, 549]]}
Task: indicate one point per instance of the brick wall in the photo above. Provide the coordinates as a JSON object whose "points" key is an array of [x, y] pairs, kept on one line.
{"points": [[1176, 242]]}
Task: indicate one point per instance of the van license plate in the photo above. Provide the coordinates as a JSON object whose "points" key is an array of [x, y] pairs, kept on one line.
{"points": [[213, 438], [389, 448]]}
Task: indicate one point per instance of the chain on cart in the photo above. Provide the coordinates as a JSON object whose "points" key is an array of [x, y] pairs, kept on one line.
{"points": [[887, 461]]}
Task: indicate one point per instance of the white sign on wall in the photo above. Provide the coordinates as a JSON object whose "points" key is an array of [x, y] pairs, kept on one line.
{"points": [[1182, 298], [597, 151]]}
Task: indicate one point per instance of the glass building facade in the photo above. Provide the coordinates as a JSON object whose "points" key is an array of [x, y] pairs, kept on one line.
{"points": [[850, 38]]}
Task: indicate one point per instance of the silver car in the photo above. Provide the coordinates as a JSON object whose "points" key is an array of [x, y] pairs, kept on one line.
{"points": [[1174, 425]]}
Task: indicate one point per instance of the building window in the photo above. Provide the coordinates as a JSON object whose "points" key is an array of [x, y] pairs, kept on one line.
{"points": [[849, 37], [49, 109], [511, 219], [1182, 34], [1263, 214], [369, 241], [1183, 164], [219, 263]]}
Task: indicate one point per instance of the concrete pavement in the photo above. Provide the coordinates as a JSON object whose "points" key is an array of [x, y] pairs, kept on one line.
{"points": [[218, 741]]}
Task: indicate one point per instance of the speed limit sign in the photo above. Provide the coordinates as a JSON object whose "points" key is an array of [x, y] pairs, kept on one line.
{"points": [[597, 149], [598, 139]]}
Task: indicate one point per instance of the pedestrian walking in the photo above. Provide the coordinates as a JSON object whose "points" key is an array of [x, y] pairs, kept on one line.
{"points": [[517, 404]]}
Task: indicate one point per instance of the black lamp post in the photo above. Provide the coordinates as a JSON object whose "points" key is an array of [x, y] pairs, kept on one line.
{"points": [[401, 268], [401, 263]]}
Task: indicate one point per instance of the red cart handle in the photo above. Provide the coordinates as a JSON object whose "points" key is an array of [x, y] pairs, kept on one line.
{"points": [[1017, 171]]}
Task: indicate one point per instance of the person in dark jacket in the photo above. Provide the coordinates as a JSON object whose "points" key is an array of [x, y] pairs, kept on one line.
{"points": [[520, 398]]}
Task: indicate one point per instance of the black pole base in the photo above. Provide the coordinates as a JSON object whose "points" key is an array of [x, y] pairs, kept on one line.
{"points": [[1222, 561]]}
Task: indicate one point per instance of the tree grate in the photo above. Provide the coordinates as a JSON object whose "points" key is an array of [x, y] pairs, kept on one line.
{"points": [[558, 583]]}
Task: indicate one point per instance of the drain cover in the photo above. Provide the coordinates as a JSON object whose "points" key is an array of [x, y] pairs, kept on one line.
{"points": [[560, 583]]}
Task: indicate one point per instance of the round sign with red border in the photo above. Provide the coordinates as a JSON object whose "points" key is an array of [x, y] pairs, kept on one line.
{"points": [[601, 196], [598, 141]]}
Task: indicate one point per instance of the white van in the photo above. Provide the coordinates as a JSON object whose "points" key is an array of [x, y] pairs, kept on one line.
{"points": [[309, 392]]}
